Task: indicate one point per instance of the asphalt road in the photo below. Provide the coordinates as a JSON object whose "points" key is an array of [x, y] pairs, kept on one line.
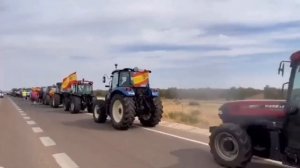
{"points": [[38, 136]]}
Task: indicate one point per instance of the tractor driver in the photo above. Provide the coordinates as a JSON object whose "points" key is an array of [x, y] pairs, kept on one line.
{"points": [[125, 79]]}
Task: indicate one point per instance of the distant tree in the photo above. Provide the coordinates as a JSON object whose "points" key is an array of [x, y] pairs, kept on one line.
{"points": [[272, 93]]}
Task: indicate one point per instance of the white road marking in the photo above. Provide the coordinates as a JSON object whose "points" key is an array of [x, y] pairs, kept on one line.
{"points": [[64, 161], [269, 160], [47, 141], [176, 136], [203, 143], [26, 118], [30, 122], [37, 130], [89, 114]]}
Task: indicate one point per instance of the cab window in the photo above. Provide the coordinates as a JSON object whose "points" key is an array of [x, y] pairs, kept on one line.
{"points": [[125, 80], [295, 95], [114, 82]]}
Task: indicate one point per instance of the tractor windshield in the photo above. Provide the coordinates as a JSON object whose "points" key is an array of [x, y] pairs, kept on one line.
{"points": [[295, 94], [125, 80], [85, 89]]}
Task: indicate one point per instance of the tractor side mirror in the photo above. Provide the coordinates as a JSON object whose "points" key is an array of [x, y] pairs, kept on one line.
{"points": [[282, 67], [104, 79]]}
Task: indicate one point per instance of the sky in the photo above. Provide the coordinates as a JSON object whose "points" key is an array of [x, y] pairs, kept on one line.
{"points": [[186, 44]]}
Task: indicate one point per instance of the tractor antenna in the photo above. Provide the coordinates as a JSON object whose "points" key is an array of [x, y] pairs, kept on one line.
{"points": [[116, 66]]}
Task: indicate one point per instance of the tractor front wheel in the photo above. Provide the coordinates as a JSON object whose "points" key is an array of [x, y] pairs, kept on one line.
{"points": [[75, 105], [122, 112], [230, 146], [153, 117]]}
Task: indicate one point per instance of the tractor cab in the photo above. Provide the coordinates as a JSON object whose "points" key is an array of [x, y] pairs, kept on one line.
{"points": [[128, 77], [292, 123], [130, 82], [82, 87]]}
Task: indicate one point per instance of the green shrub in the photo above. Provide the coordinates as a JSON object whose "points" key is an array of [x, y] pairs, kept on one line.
{"points": [[183, 118], [195, 113]]}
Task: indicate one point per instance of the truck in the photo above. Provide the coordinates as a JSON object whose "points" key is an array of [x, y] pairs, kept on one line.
{"points": [[263, 128]]}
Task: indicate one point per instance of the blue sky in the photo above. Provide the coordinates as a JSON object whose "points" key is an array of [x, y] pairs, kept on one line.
{"points": [[187, 44]]}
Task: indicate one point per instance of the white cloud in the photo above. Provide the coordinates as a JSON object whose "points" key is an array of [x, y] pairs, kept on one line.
{"points": [[62, 30]]}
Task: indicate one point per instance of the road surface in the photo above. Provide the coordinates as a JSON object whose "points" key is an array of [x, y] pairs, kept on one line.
{"points": [[38, 136]]}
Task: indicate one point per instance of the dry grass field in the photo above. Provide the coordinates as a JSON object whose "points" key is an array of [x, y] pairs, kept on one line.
{"points": [[192, 112]]}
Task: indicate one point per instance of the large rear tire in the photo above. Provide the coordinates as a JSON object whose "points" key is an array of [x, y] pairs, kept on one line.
{"points": [[99, 113], [75, 105], [67, 103], [153, 118], [122, 112], [47, 101], [55, 101], [230, 146]]}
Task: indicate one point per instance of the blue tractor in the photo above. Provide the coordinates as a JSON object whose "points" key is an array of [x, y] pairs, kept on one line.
{"points": [[129, 96]]}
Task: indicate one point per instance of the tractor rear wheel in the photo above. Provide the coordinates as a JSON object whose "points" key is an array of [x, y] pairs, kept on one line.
{"points": [[75, 105], [122, 112], [55, 101], [67, 104], [154, 116], [230, 146], [99, 113], [47, 101]]}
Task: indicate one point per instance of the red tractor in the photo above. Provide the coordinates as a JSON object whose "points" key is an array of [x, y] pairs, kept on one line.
{"points": [[267, 128]]}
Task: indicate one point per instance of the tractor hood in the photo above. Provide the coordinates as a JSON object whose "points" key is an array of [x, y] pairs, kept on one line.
{"points": [[273, 109]]}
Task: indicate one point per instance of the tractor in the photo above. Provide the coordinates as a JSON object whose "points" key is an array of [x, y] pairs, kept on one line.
{"points": [[55, 95], [129, 95], [79, 97], [45, 96], [263, 128], [73, 94]]}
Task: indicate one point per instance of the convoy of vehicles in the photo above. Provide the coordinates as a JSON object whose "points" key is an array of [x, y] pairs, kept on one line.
{"points": [[268, 128], [129, 96]]}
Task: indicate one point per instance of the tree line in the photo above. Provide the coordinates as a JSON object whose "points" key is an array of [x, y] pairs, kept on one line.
{"points": [[233, 93]]}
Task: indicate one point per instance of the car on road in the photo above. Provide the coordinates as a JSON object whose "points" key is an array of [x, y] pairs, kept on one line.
{"points": [[1, 94]]}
